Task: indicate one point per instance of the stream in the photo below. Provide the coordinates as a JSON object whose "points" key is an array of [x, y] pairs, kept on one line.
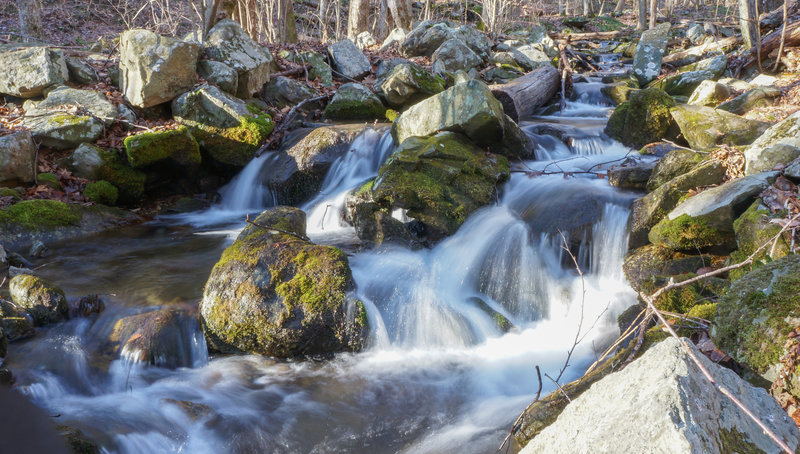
{"points": [[438, 375]]}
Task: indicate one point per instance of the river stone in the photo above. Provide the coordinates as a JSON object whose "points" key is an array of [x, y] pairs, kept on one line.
{"points": [[709, 94], [176, 145], [219, 74], [752, 98], [365, 40], [226, 128], [163, 337], [228, 43], [353, 102], [439, 180], [283, 91], [297, 171], [29, 71], [453, 55], [396, 36], [672, 408], [61, 98], [706, 219], [716, 65], [643, 119], [80, 71], [43, 300], [649, 52], [630, 176], [17, 157], [155, 69], [277, 294], [407, 83], [468, 108], [15, 321], [705, 128], [348, 60], [780, 144], [757, 314], [675, 163]]}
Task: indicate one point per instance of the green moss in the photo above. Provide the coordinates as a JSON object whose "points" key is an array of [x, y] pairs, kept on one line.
{"points": [[235, 145], [606, 24], [688, 233], [50, 180], [704, 311], [101, 192], [129, 182], [682, 299], [391, 115], [8, 192], [645, 118], [36, 214], [150, 147], [319, 276], [734, 442], [753, 229], [67, 120]]}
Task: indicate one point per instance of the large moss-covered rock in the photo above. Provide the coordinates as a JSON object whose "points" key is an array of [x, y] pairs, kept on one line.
{"points": [[155, 69], [408, 83], [643, 119], [354, 101], [709, 94], [17, 157], [48, 220], [646, 265], [65, 98], [647, 211], [43, 300], [706, 219], [753, 229], [649, 52], [682, 84], [674, 164], [755, 97], [705, 128], [226, 128], [297, 171], [228, 43], [176, 145], [439, 180], [758, 312], [468, 108], [29, 71], [275, 293], [163, 337], [620, 92], [780, 144], [101, 192]]}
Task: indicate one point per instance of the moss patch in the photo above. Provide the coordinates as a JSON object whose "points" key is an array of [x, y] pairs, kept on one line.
{"points": [[37, 214], [102, 192], [150, 147], [129, 182], [645, 118], [688, 233], [50, 180], [235, 145]]}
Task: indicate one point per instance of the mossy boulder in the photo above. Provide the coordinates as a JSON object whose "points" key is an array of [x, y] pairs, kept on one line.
{"points": [[706, 219], [407, 84], [682, 84], [49, 180], [674, 164], [643, 119], [101, 192], [439, 180], [163, 337], [13, 193], [681, 300], [354, 102], [753, 229], [94, 163], [779, 145], [283, 91], [176, 145], [44, 301], [277, 294], [227, 129], [48, 220], [620, 92], [709, 94], [758, 312], [648, 264], [63, 130], [16, 322], [647, 211], [704, 128]]}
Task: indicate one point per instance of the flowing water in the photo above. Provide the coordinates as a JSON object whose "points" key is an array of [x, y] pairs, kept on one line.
{"points": [[439, 375]]}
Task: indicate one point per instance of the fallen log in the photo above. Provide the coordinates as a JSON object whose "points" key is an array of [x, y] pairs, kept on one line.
{"points": [[523, 95], [699, 51], [568, 37]]}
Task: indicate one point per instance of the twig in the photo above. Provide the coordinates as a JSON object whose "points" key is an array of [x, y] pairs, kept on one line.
{"points": [[559, 388], [575, 343], [271, 229], [287, 120], [519, 418], [783, 36]]}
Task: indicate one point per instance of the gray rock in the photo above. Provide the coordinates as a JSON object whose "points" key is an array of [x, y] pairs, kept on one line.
{"points": [[365, 40], [424, 39], [43, 300], [705, 128], [630, 176], [17, 157], [64, 131], [155, 69], [126, 116], [780, 144], [396, 36], [682, 84], [453, 55], [80, 71], [29, 71], [468, 108], [219, 74], [709, 94], [319, 67], [408, 83], [696, 33], [672, 408], [38, 250], [348, 60], [228, 43], [762, 80], [536, 57], [283, 91], [793, 170], [539, 35], [649, 52], [725, 200], [85, 161], [752, 98], [354, 101], [64, 98], [716, 65]]}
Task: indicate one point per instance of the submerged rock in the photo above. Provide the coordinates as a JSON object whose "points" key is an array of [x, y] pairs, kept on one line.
{"points": [[29, 71], [672, 397], [643, 119], [44, 301], [706, 128], [275, 293]]}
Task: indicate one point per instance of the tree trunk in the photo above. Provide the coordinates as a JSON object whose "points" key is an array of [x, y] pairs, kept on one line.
{"points": [[357, 18], [30, 19], [747, 21], [653, 13], [401, 13], [323, 20], [620, 7], [382, 27], [289, 21], [642, 14], [523, 95]]}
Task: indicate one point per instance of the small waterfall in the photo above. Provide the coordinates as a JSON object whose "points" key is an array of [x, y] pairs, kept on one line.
{"points": [[360, 163]]}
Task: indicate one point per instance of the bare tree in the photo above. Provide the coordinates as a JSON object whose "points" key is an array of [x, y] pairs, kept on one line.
{"points": [[653, 13], [357, 17], [401, 13], [642, 14], [30, 19], [620, 6]]}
